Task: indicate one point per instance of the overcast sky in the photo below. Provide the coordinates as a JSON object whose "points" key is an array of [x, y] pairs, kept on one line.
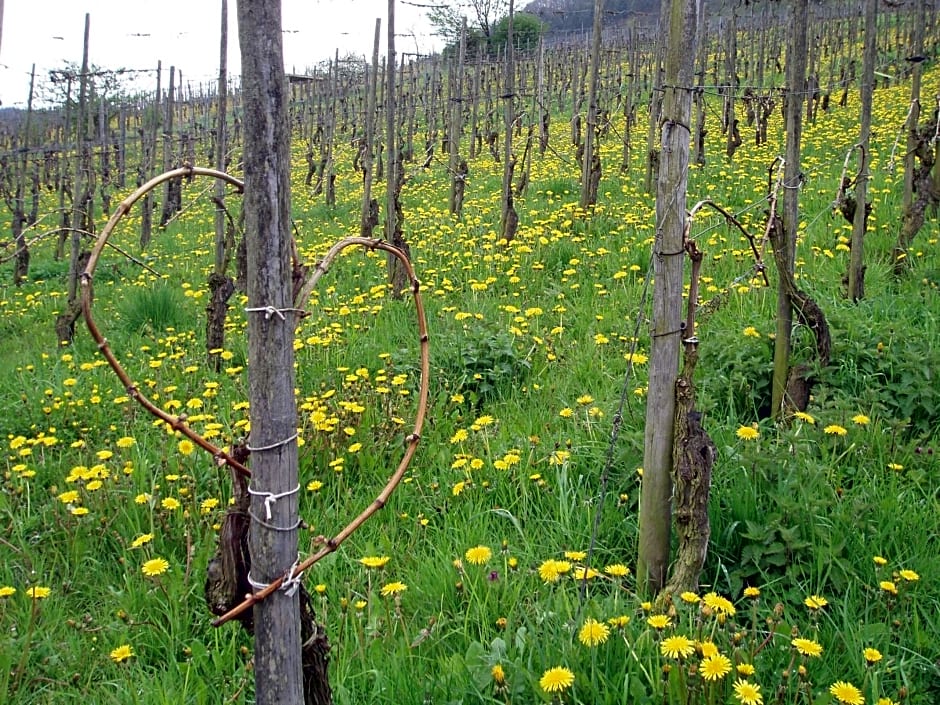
{"points": [[135, 34]]}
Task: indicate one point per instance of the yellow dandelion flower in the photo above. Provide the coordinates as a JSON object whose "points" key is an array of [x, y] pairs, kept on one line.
{"points": [[584, 574], [556, 680], [690, 598], [807, 647], [141, 540], [395, 588], [745, 669], [721, 605], [872, 656], [155, 567], [498, 674], [617, 570], [170, 503], [751, 332], [7, 591], [834, 430], [707, 649], [815, 602], [752, 592], [619, 622], [186, 446], [846, 693], [122, 653], [593, 632], [374, 561], [677, 647], [747, 433], [889, 587], [747, 693], [575, 555], [804, 417], [909, 575], [125, 442], [880, 560], [659, 621], [478, 555], [861, 419], [716, 667], [38, 593]]}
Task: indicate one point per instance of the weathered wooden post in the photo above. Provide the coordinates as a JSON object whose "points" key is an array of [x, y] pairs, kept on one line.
{"points": [[510, 219], [590, 167], [856, 290], [271, 324], [796, 77], [679, 24]]}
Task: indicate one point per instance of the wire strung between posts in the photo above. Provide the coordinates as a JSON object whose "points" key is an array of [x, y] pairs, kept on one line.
{"points": [[272, 446], [270, 311], [270, 497], [273, 527], [289, 585]]}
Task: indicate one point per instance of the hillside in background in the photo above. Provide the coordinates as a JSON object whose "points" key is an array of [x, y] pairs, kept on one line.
{"points": [[564, 16]]}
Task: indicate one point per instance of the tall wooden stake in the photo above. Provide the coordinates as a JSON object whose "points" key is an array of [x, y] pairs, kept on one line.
{"points": [[510, 219], [273, 545], [857, 257], [589, 194], [796, 79], [679, 22]]}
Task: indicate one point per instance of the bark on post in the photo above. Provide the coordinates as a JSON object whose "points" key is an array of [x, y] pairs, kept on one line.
{"points": [[21, 268], [221, 286], [457, 178], [65, 323], [370, 207], [589, 194], [913, 212], [397, 276], [510, 219], [856, 289], [273, 544], [149, 150], [796, 76], [680, 20]]}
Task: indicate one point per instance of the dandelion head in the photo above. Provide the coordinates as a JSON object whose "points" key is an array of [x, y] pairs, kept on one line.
{"points": [[846, 693], [747, 693], [715, 667], [593, 632], [556, 680], [478, 555], [807, 647], [122, 653], [677, 647]]}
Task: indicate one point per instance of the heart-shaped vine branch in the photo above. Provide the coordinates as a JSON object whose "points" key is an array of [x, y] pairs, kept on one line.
{"points": [[178, 423]]}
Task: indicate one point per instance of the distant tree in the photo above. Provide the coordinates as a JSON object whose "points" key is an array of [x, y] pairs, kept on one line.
{"points": [[526, 31], [482, 16]]}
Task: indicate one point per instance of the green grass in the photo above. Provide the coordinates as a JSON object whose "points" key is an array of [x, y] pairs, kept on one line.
{"points": [[528, 345]]}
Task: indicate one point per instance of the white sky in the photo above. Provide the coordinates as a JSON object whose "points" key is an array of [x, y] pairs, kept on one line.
{"points": [[135, 34]]}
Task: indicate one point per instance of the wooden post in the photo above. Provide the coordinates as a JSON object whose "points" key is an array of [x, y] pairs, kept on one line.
{"points": [[65, 323], [221, 286], [456, 121], [913, 217], [21, 268], [856, 290], [679, 24], [589, 194], [273, 544], [370, 213], [148, 165], [510, 219], [796, 77]]}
